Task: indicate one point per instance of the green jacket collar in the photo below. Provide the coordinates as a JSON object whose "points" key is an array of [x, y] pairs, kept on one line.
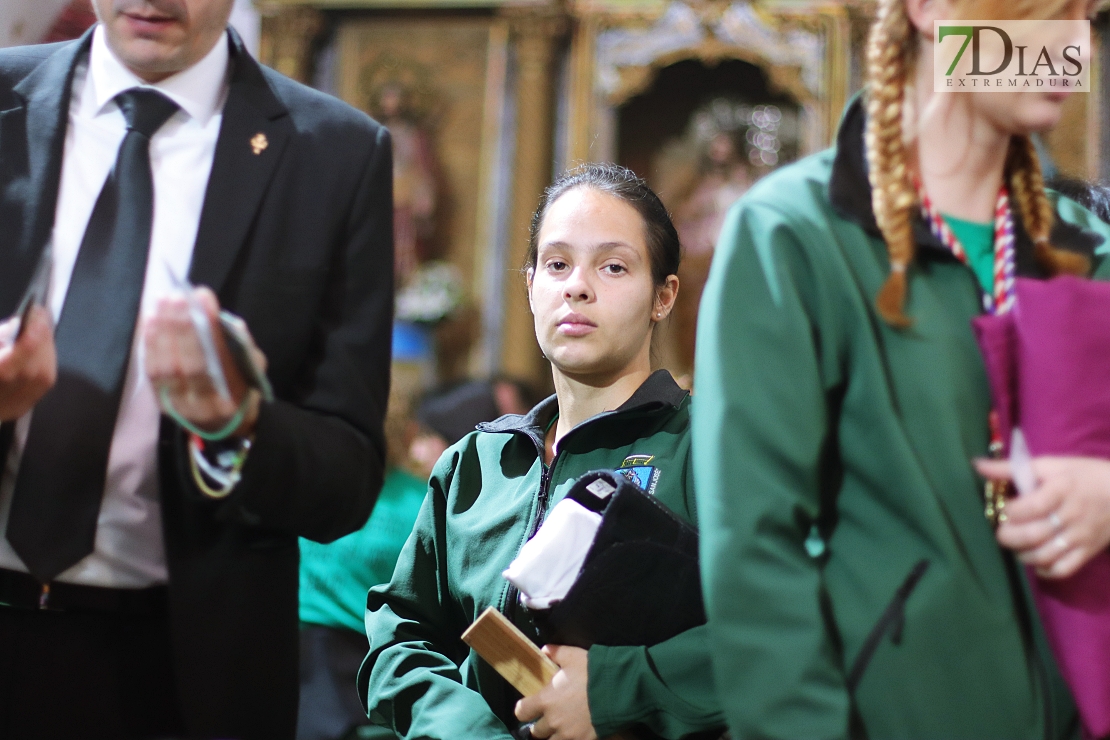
{"points": [[658, 392], [850, 195]]}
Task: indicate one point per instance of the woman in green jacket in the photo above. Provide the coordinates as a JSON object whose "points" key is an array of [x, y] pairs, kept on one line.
{"points": [[853, 585], [600, 276]]}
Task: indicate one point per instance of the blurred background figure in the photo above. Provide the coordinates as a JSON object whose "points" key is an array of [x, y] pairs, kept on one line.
{"points": [[335, 577], [414, 181], [724, 178], [449, 414], [728, 144]]}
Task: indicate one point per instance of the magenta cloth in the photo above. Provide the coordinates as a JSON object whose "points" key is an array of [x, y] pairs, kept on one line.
{"points": [[997, 342], [1048, 364]]}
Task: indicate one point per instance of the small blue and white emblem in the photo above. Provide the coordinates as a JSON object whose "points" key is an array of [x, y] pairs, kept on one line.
{"points": [[636, 469]]}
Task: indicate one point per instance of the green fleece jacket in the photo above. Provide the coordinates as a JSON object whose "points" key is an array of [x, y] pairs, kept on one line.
{"points": [[487, 495], [853, 586]]}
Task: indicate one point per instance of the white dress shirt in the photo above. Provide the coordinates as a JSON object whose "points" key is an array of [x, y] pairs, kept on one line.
{"points": [[129, 551]]}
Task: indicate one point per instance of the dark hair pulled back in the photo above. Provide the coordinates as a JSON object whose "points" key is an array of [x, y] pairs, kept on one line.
{"points": [[664, 249]]}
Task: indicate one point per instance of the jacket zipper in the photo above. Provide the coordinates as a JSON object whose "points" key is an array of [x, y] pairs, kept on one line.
{"points": [[892, 621], [542, 496], [513, 595]]}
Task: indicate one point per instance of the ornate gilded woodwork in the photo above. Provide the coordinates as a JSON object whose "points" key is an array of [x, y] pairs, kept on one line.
{"points": [[288, 32], [504, 82], [535, 32], [619, 47]]}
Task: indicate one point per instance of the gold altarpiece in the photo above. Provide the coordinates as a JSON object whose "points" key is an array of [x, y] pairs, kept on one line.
{"points": [[515, 90]]}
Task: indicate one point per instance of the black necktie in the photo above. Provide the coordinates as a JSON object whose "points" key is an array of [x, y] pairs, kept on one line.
{"points": [[52, 524]]}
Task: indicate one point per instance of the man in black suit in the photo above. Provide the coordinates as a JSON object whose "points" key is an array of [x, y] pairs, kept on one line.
{"points": [[148, 574]]}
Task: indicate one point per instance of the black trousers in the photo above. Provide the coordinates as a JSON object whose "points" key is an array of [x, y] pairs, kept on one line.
{"points": [[85, 675], [330, 708]]}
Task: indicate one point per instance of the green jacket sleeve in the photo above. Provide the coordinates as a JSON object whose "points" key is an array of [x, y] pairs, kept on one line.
{"points": [[1074, 213], [765, 368], [411, 681], [667, 687]]}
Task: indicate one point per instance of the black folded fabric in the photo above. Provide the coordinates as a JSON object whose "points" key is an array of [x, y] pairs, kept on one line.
{"points": [[639, 584]]}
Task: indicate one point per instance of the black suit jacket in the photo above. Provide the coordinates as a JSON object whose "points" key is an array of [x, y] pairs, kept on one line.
{"points": [[297, 240]]}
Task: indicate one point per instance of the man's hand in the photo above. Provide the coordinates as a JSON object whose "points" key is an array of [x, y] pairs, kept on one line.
{"points": [[29, 367], [561, 710], [175, 362], [1064, 521]]}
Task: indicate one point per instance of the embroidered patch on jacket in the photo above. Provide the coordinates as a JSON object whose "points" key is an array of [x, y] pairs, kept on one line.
{"points": [[645, 476]]}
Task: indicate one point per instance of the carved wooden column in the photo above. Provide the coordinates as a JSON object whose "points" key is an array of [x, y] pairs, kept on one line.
{"points": [[838, 67], [286, 40], [583, 49], [535, 32]]}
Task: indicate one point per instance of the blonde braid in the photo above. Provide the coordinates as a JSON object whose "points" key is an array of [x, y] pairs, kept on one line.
{"points": [[890, 53], [1037, 214]]}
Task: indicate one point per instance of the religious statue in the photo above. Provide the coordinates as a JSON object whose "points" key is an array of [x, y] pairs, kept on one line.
{"points": [[727, 146], [394, 86], [723, 178]]}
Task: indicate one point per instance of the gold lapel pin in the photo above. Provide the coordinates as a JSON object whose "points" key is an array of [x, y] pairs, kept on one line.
{"points": [[259, 142]]}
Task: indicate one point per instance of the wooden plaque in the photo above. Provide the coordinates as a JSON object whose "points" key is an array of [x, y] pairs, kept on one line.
{"points": [[510, 652]]}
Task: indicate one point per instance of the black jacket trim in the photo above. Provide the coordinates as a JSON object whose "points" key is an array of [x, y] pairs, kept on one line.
{"points": [[892, 622], [850, 195]]}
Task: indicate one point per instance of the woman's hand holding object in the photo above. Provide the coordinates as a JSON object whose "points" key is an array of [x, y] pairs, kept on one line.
{"points": [[1064, 521], [561, 710]]}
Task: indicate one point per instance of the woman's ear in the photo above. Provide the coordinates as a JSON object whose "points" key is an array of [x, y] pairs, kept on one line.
{"points": [[530, 273], [665, 296]]}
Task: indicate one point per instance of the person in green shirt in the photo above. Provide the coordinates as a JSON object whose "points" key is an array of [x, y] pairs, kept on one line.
{"points": [[334, 579], [853, 585], [600, 276], [336, 576]]}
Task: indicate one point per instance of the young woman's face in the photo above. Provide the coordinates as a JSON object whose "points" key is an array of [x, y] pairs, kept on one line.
{"points": [[591, 291]]}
